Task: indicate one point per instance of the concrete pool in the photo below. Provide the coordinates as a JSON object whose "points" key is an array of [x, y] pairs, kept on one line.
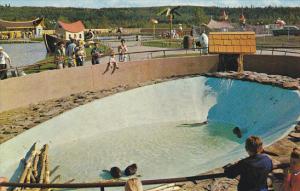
{"points": [[160, 128]]}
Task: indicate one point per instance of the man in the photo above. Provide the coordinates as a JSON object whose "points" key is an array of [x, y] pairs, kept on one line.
{"points": [[70, 53], [204, 42], [254, 169], [4, 62], [96, 54], [60, 56]]}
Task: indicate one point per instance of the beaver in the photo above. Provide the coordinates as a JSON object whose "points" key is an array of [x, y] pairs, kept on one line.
{"points": [[130, 170], [115, 172]]}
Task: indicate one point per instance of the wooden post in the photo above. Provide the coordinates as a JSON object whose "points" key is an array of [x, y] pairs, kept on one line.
{"points": [[241, 63]]}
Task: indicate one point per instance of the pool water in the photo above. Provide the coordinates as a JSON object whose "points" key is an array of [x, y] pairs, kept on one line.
{"points": [[160, 128]]}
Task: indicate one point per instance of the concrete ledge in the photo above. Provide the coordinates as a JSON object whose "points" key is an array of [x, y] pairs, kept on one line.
{"points": [[273, 64], [31, 89]]}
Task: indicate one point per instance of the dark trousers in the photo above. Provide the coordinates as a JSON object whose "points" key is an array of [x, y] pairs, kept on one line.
{"points": [[3, 71]]}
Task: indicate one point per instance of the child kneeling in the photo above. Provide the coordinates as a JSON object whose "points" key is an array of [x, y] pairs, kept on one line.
{"points": [[112, 63]]}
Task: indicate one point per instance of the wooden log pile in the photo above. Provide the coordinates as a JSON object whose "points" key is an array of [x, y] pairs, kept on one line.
{"points": [[36, 167]]}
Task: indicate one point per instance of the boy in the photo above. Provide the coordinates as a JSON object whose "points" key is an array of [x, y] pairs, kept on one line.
{"points": [[112, 63], [254, 169]]}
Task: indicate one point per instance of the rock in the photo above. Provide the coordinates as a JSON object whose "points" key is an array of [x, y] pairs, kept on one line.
{"points": [[80, 97], [131, 170], [291, 85], [115, 172], [297, 128]]}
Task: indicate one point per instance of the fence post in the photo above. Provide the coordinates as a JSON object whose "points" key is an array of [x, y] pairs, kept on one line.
{"points": [[164, 53], [102, 188], [272, 51], [129, 58], [285, 52]]}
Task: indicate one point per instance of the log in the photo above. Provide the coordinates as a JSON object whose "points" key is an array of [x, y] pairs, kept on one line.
{"points": [[35, 165], [28, 165], [47, 170], [28, 175], [43, 163]]}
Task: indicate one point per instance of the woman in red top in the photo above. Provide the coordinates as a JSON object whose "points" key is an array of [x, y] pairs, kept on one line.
{"points": [[292, 179]]}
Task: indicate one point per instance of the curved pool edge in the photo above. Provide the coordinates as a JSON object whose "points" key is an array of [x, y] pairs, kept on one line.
{"points": [[291, 127]]}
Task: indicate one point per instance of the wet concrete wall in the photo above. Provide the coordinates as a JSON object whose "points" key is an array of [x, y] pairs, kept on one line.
{"points": [[282, 65], [22, 91]]}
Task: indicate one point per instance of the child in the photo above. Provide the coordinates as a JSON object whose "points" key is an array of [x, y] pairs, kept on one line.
{"points": [[112, 63], [80, 55], [292, 179], [133, 184], [254, 169]]}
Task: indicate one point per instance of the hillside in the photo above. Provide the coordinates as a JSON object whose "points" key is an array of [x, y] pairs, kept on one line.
{"points": [[139, 17]]}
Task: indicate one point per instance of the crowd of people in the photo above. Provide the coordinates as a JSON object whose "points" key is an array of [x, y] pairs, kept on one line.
{"points": [[74, 54]]}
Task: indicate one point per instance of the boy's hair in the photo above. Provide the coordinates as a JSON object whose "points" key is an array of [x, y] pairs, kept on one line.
{"points": [[296, 153], [254, 144], [133, 184]]}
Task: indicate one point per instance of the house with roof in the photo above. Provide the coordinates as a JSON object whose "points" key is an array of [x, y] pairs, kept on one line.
{"points": [[34, 27], [214, 25], [69, 31]]}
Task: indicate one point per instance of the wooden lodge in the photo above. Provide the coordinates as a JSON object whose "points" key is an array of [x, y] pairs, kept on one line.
{"points": [[21, 29]]}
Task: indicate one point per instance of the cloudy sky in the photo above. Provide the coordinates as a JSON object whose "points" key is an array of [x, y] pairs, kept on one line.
{"points": [[145, 3]]}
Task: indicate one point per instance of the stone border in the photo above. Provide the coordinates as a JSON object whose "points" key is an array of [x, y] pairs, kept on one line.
{"points": [[262, 78]]}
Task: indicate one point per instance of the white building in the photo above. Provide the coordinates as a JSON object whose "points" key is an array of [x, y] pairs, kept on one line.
{"points": [[67, 31]]}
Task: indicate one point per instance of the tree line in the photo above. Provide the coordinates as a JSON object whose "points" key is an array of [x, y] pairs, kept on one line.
{"points": [[139, 17]]}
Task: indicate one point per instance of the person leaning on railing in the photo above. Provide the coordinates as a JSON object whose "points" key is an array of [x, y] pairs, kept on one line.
{"points": [[60, 56], [4, 62], [253, 170]]}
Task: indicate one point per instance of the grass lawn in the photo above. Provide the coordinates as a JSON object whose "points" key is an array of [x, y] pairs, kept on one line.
{"points": [[164, 43], [279, 40]]}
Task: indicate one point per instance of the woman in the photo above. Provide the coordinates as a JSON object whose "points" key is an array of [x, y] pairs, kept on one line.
{"points": [[292, 179]]}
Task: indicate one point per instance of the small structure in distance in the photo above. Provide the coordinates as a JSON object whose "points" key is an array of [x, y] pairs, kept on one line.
{"points": [[68, 31]]}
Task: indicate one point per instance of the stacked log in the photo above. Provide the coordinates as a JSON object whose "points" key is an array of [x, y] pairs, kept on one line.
{"points": [[36, 167]]}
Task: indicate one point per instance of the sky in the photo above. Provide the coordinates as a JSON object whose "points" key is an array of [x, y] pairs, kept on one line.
{"points": [[149, 3]]}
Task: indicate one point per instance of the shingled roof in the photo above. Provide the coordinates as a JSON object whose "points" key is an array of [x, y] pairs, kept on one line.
{"points": [[24, 24], [72, 27]]}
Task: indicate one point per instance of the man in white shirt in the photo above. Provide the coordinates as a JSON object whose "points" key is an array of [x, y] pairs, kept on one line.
{"points": [[204, 42], [4, 62]]}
